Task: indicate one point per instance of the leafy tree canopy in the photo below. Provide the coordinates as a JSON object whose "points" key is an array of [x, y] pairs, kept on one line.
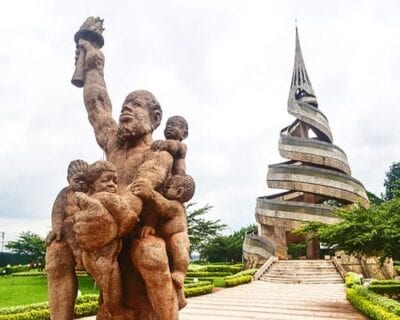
{"points": [[200, 229], [372, 232], [392, 181], [226, 248], [29, 244]]}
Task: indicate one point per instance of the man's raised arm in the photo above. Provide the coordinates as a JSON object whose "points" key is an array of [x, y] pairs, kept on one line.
{"points": [[89, 65]]}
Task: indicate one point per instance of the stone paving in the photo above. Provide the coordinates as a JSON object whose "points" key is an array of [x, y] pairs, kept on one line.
{"points": [[265, 300]]}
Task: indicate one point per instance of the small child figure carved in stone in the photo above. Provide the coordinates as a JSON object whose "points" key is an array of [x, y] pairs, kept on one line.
{"points": [[175, 131], [65, 206], [168, 220], [117, 216]]}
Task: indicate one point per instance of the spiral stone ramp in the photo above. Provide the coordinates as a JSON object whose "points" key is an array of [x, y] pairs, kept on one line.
{"points": [[316, 174]]}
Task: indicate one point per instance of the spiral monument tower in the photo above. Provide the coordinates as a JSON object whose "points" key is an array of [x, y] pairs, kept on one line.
{"points": [[316, 172]]}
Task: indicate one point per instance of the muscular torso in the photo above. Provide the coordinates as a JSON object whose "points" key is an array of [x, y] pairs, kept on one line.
{"points": [[127, 162]]}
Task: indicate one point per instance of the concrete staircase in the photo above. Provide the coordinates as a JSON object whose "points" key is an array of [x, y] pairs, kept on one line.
{"points": [[303, 271]]}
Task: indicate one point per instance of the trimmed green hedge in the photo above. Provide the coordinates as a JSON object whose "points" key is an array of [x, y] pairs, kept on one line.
{"points": [[368, 307], [197, 284], [352, 279], [248, 272], [203, 274], [198, 288], [85, 306], [13, 269], [390, 289], [224, 268], [236, 280]]}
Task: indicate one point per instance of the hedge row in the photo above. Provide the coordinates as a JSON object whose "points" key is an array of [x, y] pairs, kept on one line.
{"points": [[29, 274], [385, 282], [197, 291], [236, 280], [85, 306], [368, 307], [248, 272], [192, 279], [224, 268], [13, 269], [197, 284], [203, 274], [352, 279], [390, 289]]}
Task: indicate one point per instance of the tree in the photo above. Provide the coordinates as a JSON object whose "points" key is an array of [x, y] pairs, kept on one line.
{"points": [[226, 248], [373, 198], [29, 244], [371, 232], [392, 181], [200, 229]]}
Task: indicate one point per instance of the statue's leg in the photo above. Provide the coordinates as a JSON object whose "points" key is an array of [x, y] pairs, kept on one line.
{"points": [[178, 249], [62, 281], [150, 258]]}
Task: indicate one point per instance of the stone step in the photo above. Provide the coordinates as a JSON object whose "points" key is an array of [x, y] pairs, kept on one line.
{"points": [[305, 274], [303, 281], [303, 271], [290, 276], [296, 270]]}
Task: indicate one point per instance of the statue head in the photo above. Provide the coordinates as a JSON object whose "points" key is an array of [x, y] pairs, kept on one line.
{"points": [[102, 177], [176, 128], [140, 115], [77, 175], [180, 188]]}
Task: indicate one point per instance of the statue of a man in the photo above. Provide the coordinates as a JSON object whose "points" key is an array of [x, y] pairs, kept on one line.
{"points": [[144, 262]]}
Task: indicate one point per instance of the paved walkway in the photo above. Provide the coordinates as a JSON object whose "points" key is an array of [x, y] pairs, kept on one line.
{"points": [[271, 301], [265, 300]]}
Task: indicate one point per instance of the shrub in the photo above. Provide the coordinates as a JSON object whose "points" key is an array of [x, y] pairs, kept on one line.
{"points": [[352, 279], [86, 305], [86, 309], [248, 272], [199, 290], [219, 282], [14, 269], [390, 289], [224, 268], [197, 284], [236, 280], [43, 314], [368, 307], [203, 274], [385, 282], [389, 304]]}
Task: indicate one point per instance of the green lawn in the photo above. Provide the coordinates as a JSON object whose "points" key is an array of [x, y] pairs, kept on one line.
{"points": [[15, 291]]}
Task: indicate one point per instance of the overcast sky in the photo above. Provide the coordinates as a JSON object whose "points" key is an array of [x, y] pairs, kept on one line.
{"points": [[224, 65]]}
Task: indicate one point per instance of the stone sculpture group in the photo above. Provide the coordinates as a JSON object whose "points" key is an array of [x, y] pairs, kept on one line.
{"points": [[121, 220]]}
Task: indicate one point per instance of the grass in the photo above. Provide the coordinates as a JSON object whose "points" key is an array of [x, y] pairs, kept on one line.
{"points": [[219, 282], [15, 291]]}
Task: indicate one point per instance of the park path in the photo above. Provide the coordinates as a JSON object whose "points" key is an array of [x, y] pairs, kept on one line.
{"points": [[265, 300]]}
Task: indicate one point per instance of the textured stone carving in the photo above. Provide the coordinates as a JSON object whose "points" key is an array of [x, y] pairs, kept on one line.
{"points": [[130, 226], [317, 170], [62, 250]]}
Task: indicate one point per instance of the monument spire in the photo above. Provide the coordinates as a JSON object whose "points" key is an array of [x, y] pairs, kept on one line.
{"points": [[317, 171], [301, 84]]}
